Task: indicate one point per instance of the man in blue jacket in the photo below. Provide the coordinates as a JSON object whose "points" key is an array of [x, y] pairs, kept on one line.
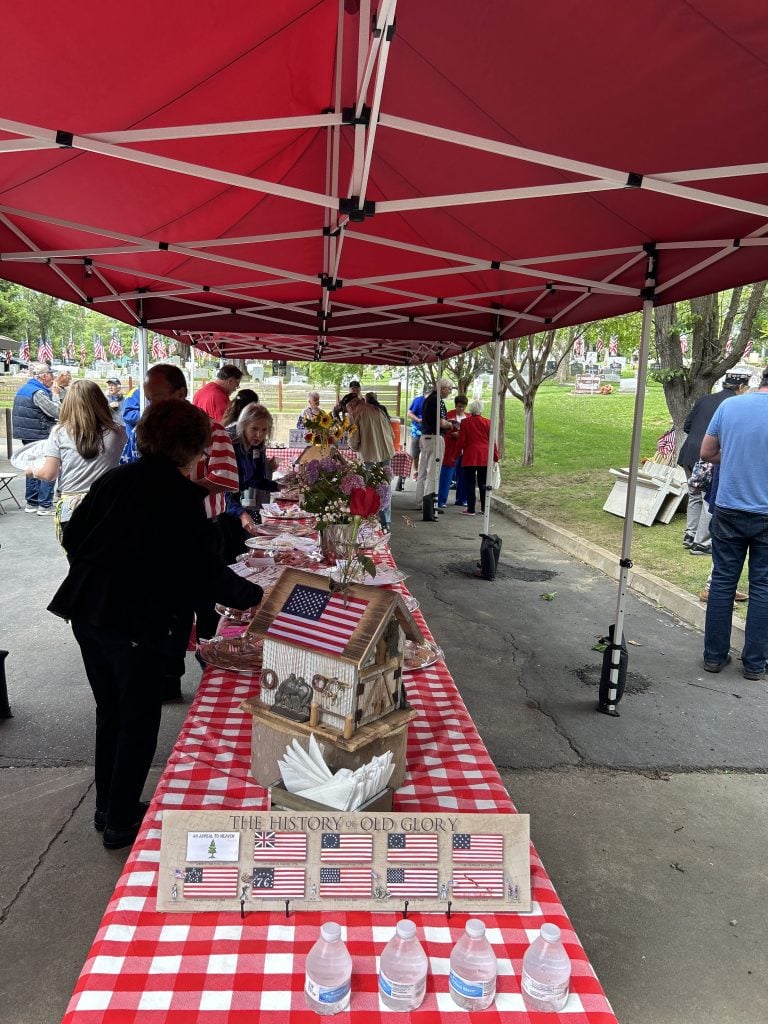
{"points": [[35, 411]]}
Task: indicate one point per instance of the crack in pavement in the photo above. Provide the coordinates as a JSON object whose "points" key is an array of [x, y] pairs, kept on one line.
{"points": [[5, 911]]}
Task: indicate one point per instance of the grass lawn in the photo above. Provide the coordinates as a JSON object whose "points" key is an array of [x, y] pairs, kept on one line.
{"points": [[578, 439]]}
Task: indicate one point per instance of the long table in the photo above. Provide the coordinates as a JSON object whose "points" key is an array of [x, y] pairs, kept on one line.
{"points": [[146, 967]]}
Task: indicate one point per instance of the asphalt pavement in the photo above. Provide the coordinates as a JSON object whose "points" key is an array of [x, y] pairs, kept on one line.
{"points": [[651, 825]]}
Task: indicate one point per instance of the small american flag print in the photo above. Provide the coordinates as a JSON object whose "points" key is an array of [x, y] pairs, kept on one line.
{"points": [[478, 884], [210, 881], [278, 882], [412, 881], [345, 881], [280, 846], [411, 846], [477, 846], [317, 619], [336, 846]]}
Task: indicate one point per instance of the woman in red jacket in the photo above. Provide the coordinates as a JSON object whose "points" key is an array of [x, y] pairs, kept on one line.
{"points": [[474, 438]]}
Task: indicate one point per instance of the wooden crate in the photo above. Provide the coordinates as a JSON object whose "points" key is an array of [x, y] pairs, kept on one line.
{"points": [[281, 798], [271, 734]]}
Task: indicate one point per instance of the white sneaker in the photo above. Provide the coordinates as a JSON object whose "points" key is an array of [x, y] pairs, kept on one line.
{"points": [[46, 511], [31, 509]]}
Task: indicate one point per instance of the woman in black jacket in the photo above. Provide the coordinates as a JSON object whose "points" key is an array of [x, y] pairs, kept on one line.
{"points": [[124, 624]]}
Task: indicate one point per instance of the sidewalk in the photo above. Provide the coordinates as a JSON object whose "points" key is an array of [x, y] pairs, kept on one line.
{"points": [[646, 823]]}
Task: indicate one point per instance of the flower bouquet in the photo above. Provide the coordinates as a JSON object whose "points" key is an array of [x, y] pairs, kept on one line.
{"points": [[322, 429], [342, 495]]}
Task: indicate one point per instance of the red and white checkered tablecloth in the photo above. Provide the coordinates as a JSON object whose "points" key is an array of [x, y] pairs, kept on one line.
{"points": [[401, 464], [287, 456], [146, 967]]}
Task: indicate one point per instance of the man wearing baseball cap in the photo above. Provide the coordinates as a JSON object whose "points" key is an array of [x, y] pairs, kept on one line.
{"points": [[434, 423], [350, 398]]}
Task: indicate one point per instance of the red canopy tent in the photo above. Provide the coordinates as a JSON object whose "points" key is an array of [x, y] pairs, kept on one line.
{"points": [[314, 179], [311, 180]]}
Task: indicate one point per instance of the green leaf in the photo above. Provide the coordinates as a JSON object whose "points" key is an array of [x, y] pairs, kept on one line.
{"points": [[368, 564], [549, 597]]}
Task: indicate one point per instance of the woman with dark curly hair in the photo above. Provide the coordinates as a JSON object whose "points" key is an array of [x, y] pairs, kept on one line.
{"points": [[126, 624]]}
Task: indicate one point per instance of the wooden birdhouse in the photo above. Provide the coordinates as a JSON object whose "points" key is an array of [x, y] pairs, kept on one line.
{"points": [[332, 659]]}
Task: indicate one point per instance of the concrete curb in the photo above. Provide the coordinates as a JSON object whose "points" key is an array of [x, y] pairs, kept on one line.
{"points": [[679, 602]]}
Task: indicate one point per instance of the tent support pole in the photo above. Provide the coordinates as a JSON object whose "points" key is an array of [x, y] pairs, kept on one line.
{"points": [[191, 372], [608, 706], [142, 366], [495, 402]]}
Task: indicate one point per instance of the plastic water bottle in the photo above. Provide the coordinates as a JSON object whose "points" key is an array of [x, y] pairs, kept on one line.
{"points": [[329, 972], [403, 969], [546, 971], [472, 980]]}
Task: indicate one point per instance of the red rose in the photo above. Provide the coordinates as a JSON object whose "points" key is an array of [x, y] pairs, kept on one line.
{"points": [[364, 501], [309, 437]]}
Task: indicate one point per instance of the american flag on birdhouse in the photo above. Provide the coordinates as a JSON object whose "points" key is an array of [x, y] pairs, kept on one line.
{"points": [[98, 349], [317, 619]]}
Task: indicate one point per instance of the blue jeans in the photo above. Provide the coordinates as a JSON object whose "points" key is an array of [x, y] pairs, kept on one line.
{"points": [[734, 535], [447, 475], [39, 493]]}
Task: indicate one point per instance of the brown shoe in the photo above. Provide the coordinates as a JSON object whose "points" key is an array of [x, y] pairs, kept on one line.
{"points": [[741, 596]]}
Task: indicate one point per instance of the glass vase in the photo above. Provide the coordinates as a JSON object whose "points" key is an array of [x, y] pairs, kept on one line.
{"points": [[338, 541]]}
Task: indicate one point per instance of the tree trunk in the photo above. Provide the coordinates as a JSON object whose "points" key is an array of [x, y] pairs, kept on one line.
{"points": [[501, 432], [528, 431]]}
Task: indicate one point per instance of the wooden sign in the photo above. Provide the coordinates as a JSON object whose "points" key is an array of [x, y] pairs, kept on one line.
{"points": [[219, 860]]}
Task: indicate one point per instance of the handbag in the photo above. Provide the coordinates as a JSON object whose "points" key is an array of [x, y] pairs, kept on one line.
{"points": [[496, 477], [701, 476]]}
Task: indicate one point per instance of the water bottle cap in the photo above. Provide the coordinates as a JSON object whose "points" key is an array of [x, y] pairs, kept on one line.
{"points": [[406, 929], [475, 928], [550, 933], [331, 931]]}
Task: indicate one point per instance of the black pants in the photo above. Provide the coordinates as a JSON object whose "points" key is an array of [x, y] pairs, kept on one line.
{"points": [[127, 683], [469, 482], [230, 541]]}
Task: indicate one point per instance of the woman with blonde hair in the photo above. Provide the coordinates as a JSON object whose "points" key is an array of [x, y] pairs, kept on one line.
{"points": [[84, 444], [250, 436]]}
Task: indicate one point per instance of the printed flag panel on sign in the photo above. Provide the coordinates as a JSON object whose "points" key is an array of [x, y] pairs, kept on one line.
{"points": [[478, 846], [280, 846], [210, 881], [345, 882], [336, 846], [317, 619], [478, 884], [278, 882], [411, 846], [412, 881]]}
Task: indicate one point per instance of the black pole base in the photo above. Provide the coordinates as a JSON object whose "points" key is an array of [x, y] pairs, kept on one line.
{"points": [[400, 485], [428, 513], [606, 709], [5, 708]]}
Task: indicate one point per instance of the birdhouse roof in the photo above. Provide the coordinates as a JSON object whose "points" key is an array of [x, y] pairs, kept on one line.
{"points": [[303, 612]]}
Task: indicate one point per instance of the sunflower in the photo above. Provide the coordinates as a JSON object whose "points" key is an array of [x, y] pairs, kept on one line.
{"points": [[325, 419]]}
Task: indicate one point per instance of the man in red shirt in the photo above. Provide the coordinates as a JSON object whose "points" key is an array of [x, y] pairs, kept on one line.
{"points": [[213, 397]]}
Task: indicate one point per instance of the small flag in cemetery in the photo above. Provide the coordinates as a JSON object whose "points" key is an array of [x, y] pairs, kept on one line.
{"points": [[24, 351], [345, 881], [335, 846], [44, 351], [478, 884], [412, 881], [613, 346], [280, 846], [478, 847], [210, 881], [98, 349], [278, 882], [318, 619], [411, 846]]}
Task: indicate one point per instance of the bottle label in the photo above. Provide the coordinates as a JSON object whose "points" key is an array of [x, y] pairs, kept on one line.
{"points": [[328, 996], [544, 990], [407, 991], [471, 989]]}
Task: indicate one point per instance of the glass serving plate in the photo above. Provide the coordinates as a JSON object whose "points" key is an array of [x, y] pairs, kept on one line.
{"points": [[419, 656], [411, 603]]}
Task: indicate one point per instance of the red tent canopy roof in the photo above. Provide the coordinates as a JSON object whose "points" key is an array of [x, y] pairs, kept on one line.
{"points": [[306, 180]]}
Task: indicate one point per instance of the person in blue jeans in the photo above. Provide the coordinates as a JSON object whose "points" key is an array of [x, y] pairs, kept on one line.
{"points": [[737, 439], [35, 413], [450, 469]]}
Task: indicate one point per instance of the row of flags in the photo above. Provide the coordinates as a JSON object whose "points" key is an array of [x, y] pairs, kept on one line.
{"points": [[580, 346], [160, 350]]}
